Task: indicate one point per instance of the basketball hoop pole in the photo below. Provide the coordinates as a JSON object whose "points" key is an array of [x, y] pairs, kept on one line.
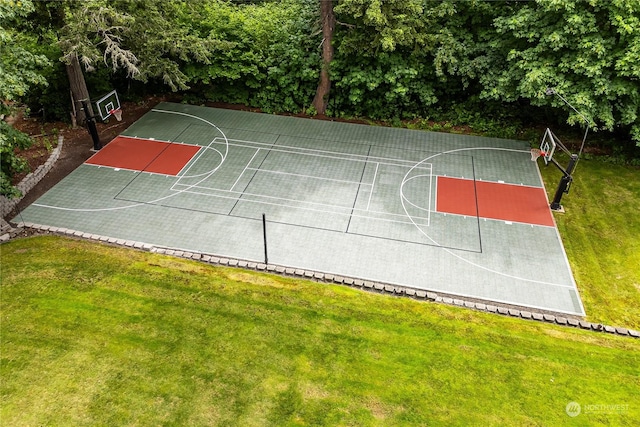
{"points": [[567, 177], [91, 125], [565, 181]]}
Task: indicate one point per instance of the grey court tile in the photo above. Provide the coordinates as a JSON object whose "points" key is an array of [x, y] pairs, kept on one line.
{"points": [[342, 199]]}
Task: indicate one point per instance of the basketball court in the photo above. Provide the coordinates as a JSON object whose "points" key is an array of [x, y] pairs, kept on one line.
{"points": [[447, 213]]}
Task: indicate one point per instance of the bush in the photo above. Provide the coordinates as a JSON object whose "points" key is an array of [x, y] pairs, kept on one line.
{"points": [[10, 164]]}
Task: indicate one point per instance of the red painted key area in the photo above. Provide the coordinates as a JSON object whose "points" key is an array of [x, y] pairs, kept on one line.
{"points": [[508, 202], [144, 155]]}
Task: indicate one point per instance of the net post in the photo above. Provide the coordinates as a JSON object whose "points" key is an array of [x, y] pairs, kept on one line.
{"points": [[264, 233]]}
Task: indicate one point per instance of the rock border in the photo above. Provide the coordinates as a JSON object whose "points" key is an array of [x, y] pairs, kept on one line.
{"points": [[30, 181], [364, 285]]}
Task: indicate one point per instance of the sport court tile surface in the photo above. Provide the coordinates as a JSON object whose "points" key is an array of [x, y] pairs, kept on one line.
{"points": [[456, 214]]}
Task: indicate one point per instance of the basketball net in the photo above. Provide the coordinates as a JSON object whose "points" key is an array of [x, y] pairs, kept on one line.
{"points": [[117, 113], [535, 153]]}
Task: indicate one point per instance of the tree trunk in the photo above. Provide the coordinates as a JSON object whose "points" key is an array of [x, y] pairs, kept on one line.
{"points": [[321, 100], [79, 91]]}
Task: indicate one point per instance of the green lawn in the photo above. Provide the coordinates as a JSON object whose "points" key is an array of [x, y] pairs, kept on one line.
{"points": [[601, 234], [97, 335]]}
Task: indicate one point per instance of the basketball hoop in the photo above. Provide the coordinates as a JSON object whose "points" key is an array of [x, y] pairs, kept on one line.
{"points": [[117, 113], [535, 153]]}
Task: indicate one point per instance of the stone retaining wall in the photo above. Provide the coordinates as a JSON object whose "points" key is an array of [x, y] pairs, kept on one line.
{"points": [[364, 285], [30, 181]]}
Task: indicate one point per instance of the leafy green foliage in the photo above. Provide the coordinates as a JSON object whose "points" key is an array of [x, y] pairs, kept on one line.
{"points": [[386, 52], [148, 38], [271, 64], [383, 86], [587, 50], [19, 70], [392, 24], [393, 59], [19, 67], [50, 101], [10, 163]]}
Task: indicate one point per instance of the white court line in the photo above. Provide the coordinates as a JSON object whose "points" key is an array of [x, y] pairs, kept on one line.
{"points": [[299, 175], [244, 193], [493, 182], [115, 169], [435, 195], [430, 192], [194, 160], [485, 219], [188, 165], [311, 152], [149, 139], [373, 182], [428, 208], [413, 204], [455, 255], [161, 198], [231, 191], [564, 252], [284, 205], [245, 168]]}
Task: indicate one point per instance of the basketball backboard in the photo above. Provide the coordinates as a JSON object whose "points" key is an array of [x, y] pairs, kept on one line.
{"points": [[548, 146], [107, 104]]}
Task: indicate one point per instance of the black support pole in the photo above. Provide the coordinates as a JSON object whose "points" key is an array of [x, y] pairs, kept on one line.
{"points": [[565, 182], [264, 232], [91, 124]]}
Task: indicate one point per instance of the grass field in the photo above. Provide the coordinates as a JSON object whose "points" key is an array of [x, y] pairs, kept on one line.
{"points": [[601, 234], [97, 335]]}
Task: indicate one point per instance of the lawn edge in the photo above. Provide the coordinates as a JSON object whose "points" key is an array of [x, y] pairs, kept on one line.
{"points": [[523, 313]]}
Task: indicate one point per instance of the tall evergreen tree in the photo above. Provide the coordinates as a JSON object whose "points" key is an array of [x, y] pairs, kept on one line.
{"points": [[147, 39]]}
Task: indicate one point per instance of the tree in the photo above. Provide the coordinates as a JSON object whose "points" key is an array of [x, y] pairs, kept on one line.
{"points": [[387, 54], [18, 66], [147, 39], [90, 26], [378, 25], [321, 99], [271, 62], [18, 71], [588, 50]]}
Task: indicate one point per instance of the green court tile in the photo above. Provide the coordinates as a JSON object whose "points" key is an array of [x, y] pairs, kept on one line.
{"points": [[339, 198], [307, 191], [200, 134]]}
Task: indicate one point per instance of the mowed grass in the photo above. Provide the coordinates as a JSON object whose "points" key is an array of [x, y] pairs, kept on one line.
{"points": [[601, 234], [97, 335]]}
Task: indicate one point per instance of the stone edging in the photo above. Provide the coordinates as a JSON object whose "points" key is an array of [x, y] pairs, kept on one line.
{"points": [[347, 281], [30, 181]]}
